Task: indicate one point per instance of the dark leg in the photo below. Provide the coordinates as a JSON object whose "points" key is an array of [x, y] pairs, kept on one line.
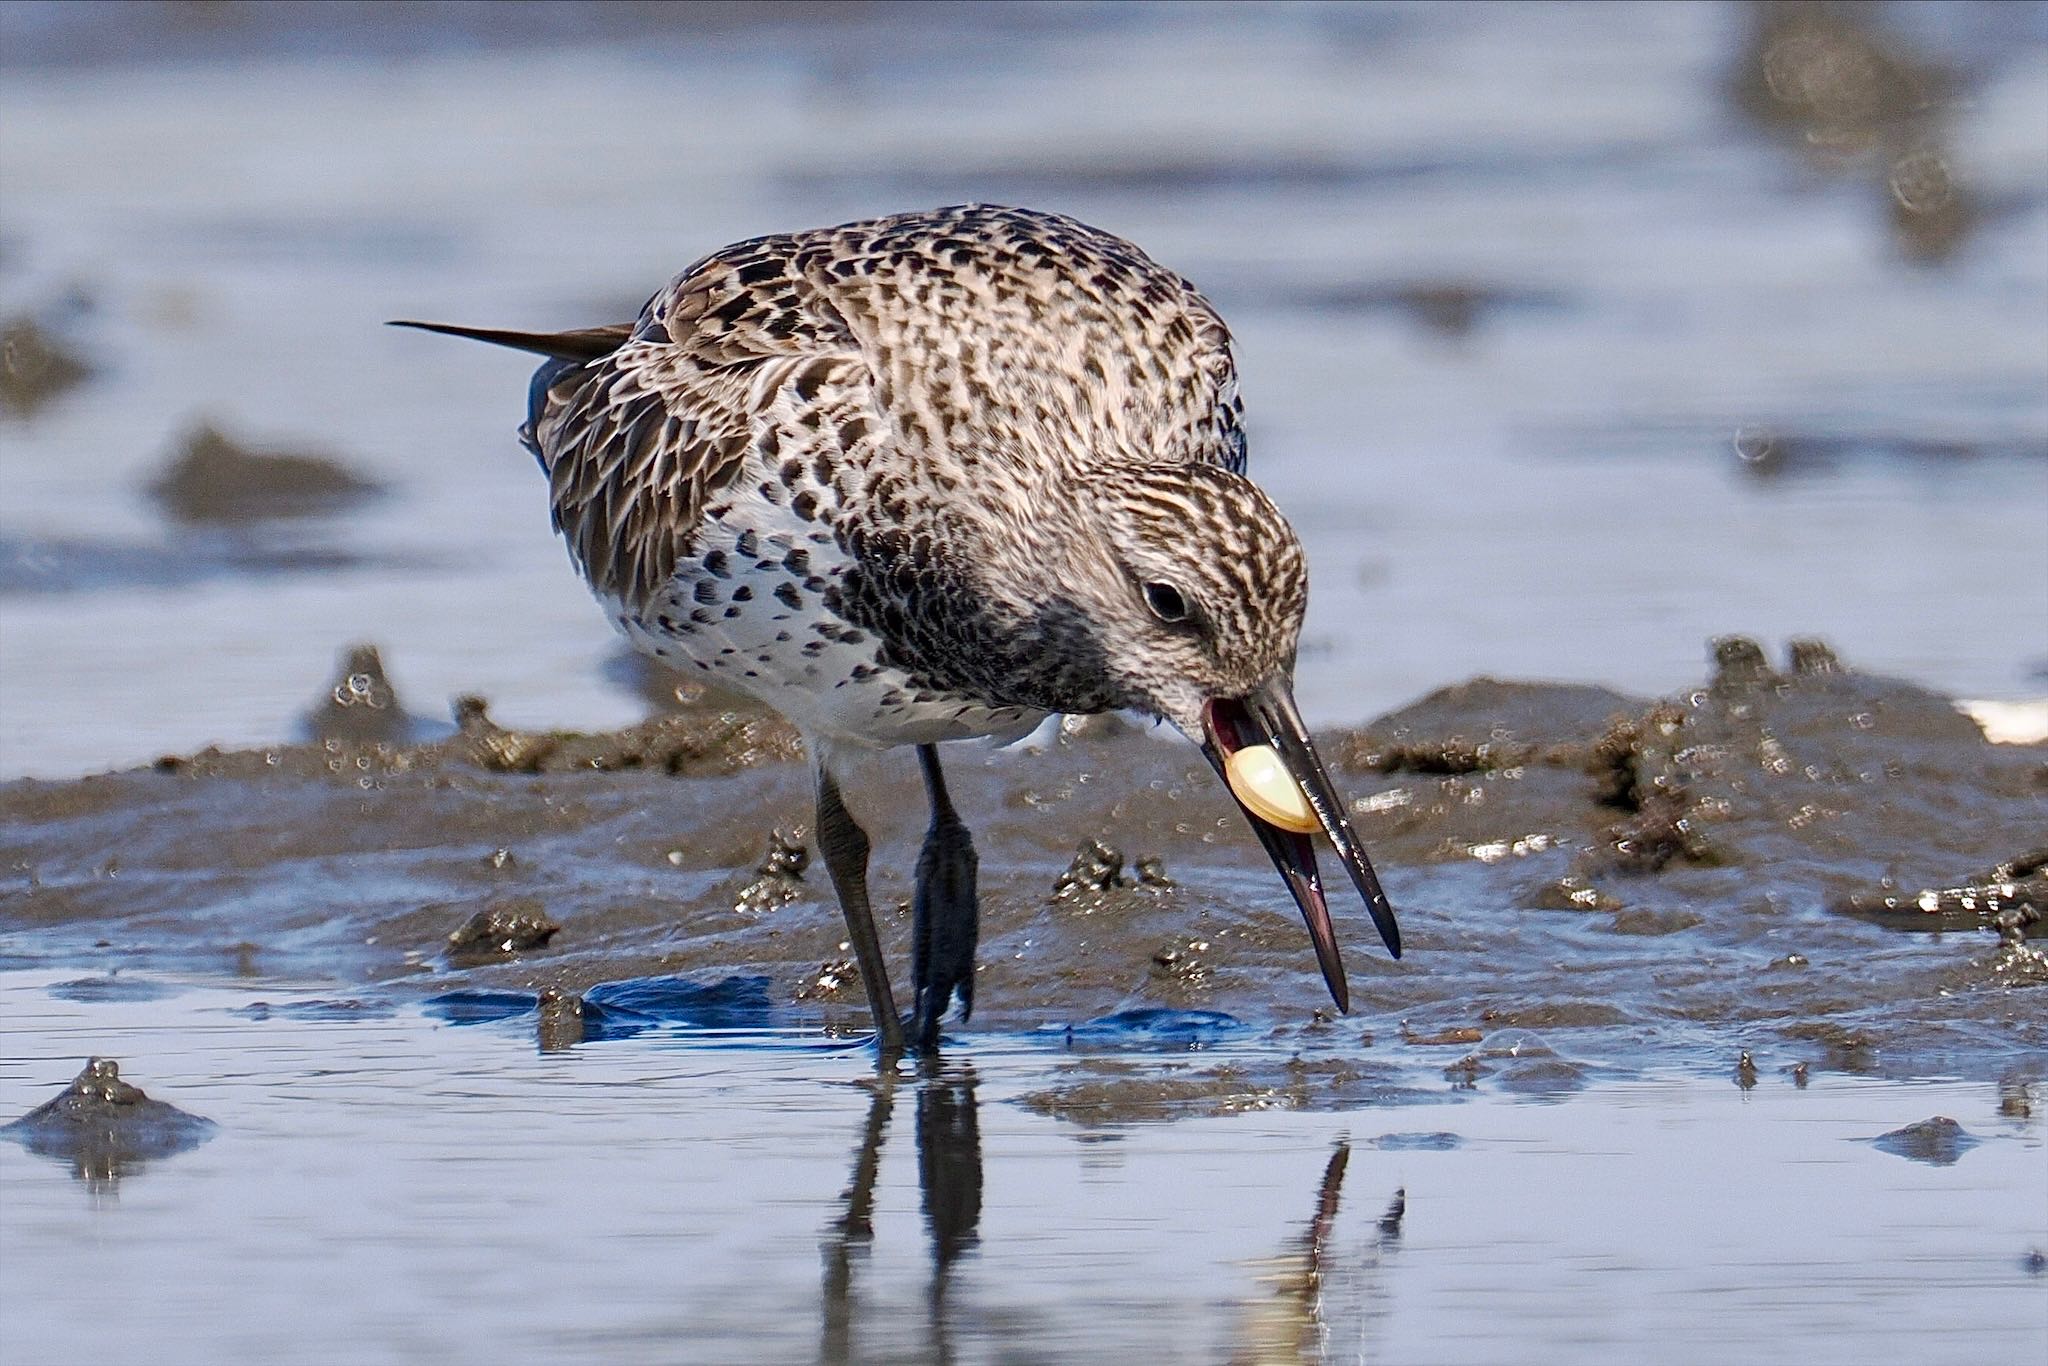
{"points": [[947, 918], [845, 846]]}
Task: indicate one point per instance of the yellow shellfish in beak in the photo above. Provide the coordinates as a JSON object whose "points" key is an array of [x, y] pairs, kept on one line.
{"points": [[1260, 748], [1259, 778]]}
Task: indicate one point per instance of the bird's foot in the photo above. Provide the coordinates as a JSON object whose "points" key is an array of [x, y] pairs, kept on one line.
{"points": [[921, 1025], [920, 1034]]}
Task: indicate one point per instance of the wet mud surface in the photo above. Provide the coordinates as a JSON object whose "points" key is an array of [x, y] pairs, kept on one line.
{"points": [[106, 1128], [36, 366], [1799, 863], [216, 479]]}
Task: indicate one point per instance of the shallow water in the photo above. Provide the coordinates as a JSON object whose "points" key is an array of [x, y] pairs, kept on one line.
{"points": [[395, 1187]]}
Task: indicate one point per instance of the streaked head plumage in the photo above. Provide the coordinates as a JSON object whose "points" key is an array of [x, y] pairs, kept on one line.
{"points": [[1198, 590]]}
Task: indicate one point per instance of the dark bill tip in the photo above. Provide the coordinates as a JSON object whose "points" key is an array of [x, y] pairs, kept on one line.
{"points": [[1272, 709], [1269, 716], [1292, 854]]}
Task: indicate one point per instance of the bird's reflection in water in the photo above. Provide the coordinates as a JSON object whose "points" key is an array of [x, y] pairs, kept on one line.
{"points": [[949, 1181], [1390, 1222], [949, 1165], [1289, 1322], [1286, 1323]]}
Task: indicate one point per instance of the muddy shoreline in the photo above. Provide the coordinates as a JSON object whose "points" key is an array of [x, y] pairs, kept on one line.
{"points": [[1835, 870]]}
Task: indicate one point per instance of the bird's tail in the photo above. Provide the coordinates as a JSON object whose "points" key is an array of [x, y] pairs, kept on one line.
{"points": [[568, 353], [584, 344]]}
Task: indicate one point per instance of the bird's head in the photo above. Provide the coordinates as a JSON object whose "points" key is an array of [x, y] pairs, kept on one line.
{"points": [[1206, 589], [1197, 623]]}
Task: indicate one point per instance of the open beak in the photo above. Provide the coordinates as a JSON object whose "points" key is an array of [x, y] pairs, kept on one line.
{"points": [[1267, 716]]}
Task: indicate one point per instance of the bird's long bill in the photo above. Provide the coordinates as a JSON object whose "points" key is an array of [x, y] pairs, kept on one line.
{"points": [[1268, 716]]}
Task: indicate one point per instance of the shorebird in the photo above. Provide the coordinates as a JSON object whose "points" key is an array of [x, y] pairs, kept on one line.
{"points": [[934, 477]]}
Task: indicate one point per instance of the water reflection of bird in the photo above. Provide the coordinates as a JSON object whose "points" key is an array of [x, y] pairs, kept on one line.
{"points": [[933, 477], [854, 1230], [1286, 1324], [949, 1180]]}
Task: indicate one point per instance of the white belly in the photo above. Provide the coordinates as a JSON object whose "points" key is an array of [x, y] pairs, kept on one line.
{"points": [[755, 625]]}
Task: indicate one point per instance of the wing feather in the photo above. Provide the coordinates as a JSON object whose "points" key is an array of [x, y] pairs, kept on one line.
{"points": [[965, 335], [637, 441]]}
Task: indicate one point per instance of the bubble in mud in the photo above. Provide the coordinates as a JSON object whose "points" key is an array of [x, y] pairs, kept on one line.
{"points": [[1920, 180], [1755, 445], [360, 706]]}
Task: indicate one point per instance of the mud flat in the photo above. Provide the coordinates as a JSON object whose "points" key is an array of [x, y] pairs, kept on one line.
{"points": [[1822, 868], [105, 1127]]}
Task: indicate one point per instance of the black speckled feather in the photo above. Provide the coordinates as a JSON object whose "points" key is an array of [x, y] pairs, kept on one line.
{"points": [[980, 429]]}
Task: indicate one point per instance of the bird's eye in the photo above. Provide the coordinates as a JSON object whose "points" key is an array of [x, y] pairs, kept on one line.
{"points": [[1166, 602]]}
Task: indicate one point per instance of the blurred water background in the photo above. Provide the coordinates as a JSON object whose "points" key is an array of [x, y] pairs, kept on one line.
{"points": [[1571, 336]]}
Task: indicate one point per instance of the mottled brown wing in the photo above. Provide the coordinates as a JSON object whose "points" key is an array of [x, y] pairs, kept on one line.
{"points": [[636, 441], [1027, 338]]}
